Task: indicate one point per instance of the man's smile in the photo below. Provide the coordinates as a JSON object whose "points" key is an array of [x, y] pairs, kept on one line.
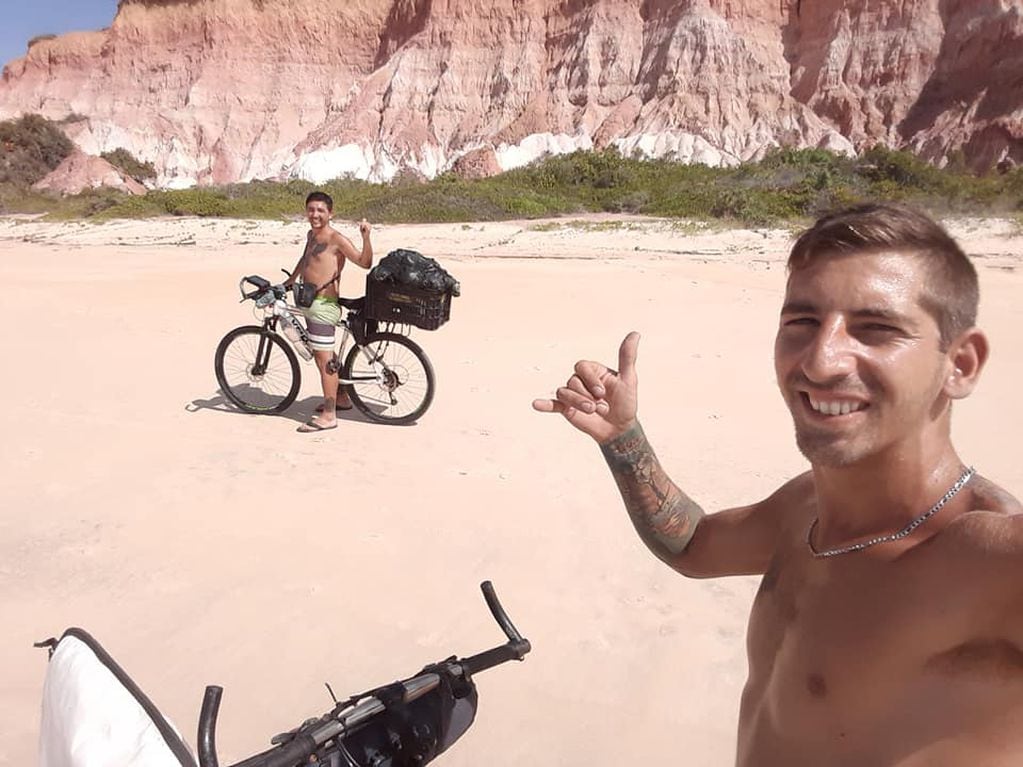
{"points": [[832, 406]]}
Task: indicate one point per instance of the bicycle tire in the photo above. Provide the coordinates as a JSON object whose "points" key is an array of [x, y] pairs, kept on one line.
{"points": [[377, 400], [233, 364]]}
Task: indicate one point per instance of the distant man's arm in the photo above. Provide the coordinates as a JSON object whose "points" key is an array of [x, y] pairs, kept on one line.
{"points": [[364, 257]]}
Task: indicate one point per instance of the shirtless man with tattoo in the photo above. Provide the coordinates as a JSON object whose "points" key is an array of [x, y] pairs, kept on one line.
{"points": [[888, 628], [326, 252]]}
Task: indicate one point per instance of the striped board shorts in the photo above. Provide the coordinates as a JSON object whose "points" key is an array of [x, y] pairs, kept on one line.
{"points": [[320, 319]]}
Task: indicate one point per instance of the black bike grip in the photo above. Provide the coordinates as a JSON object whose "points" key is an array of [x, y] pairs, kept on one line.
{"points": [[497, 610], [207, 740], [495, 656], [293, 753]]}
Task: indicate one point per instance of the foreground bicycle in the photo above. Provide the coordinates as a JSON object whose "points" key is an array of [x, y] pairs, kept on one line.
{"points": [[94, 715], [399, 725], [387, 375]]}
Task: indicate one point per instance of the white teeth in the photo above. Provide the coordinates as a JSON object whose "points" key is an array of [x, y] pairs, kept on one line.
{"points": [[835, 407]]}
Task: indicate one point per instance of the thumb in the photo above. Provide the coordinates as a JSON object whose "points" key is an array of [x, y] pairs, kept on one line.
{"points": [[627, 353]]}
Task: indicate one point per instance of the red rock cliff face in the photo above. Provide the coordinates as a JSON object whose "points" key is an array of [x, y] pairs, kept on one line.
{"points": [[224, 90]]}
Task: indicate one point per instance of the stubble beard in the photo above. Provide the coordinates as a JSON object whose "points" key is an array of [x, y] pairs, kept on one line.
{"points": [[821, 447], [826, 450]]}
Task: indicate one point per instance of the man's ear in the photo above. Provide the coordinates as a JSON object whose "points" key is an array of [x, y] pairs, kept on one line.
{"points": [[966, 356]]}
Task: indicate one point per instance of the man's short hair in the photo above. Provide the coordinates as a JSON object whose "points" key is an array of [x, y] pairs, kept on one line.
{"points": [[320, 197], [952, 293]]}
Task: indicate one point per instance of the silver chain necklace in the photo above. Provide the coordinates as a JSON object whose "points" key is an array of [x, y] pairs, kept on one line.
{"points": [[913, 525]]}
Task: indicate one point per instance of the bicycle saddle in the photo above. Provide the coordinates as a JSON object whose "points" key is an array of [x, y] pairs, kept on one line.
{"points": [[352, 304]]}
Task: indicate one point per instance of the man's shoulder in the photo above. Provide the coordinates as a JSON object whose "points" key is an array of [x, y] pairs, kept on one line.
{"points": [[800, 489], [792, 504], [994, 524], [1000, 506], [338, 241]]}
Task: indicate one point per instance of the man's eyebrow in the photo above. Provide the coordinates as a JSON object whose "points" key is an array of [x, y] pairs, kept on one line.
{"points": [[798, 307], [802, 307], [881, 314]]}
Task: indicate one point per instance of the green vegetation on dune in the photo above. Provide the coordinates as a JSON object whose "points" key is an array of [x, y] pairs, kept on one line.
{"points": [[787, 185], [30, 147], [126, 162]]}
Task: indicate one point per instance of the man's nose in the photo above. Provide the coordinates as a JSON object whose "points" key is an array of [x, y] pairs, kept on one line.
{"points": [[830, 353]]}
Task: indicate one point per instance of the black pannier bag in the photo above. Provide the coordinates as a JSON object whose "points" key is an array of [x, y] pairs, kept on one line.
{"points": [[415, 733], [409, 288]]}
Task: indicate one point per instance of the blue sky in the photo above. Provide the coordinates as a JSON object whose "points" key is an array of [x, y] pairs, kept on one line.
{"points": [[21, 20]]}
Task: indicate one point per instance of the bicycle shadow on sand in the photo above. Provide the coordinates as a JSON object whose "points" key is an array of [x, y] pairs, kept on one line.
{"points": [[300, 411]]}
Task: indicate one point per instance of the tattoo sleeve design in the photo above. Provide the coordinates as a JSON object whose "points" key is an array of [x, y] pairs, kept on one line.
{"points": [[663, 515]]}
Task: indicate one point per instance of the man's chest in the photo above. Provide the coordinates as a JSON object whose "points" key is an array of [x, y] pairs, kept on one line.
{"points": [[319, 254], [833, 644]]}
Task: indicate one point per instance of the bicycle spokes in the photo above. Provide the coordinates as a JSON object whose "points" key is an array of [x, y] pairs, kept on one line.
{"points": [[390, 379]]}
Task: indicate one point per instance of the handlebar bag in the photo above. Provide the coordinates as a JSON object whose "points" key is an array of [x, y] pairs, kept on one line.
{"points": [[94, 715], [412, 734]]}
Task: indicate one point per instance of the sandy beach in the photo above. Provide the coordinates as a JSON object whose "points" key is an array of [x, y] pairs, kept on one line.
{"points": [[205, 546]]}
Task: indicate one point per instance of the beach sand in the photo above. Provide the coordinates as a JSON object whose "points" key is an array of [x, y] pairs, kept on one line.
{"points": [[201, 545]]}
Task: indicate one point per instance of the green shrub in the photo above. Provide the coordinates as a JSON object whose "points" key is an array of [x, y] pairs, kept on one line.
{"points": [[127, 163], [201, 201], [91, 203], [30, 147], [788, 185]]}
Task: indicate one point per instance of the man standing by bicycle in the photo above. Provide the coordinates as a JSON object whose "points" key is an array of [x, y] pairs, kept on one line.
{"points": [[888, 627], [326, 252]]}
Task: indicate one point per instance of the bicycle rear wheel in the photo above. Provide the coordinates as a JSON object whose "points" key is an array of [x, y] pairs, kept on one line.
{"points": [[257, 370], [399, 381]]}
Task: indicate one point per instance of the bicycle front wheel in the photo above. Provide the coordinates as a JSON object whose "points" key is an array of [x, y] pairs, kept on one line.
{"points": [[392, 378], [257, 370]]}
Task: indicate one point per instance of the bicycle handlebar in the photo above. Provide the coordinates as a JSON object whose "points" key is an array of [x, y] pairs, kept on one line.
{"points": [[343, 720], [261, 285]]}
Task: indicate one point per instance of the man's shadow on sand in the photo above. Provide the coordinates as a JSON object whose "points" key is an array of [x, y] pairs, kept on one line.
{"points": [[299, 411]]}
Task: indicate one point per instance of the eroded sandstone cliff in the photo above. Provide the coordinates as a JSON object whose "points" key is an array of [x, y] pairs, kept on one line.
{"points": [[224, 90]]}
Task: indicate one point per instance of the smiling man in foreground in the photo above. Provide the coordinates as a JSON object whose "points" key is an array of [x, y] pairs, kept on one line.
{"points": [[888, 628]]}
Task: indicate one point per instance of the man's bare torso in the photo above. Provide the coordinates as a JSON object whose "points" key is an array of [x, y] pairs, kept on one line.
{"points": [[899, 655], [322, 260]]}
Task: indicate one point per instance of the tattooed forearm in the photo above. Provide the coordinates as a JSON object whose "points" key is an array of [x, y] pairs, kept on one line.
{"points": [[663, 515]]}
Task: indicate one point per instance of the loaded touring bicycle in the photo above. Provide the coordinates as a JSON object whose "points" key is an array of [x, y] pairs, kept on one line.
{"points": [[387, 374]]}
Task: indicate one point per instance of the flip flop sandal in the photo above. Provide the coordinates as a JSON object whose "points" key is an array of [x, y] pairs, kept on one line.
{"points": [[311, 426]]}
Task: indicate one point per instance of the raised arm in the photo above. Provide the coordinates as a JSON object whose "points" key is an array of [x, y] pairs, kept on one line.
{"points": [[602, 403], [364, 257]]}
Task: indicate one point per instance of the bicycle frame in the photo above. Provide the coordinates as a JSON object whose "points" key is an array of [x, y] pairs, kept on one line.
{"points": [[273, 318]]}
